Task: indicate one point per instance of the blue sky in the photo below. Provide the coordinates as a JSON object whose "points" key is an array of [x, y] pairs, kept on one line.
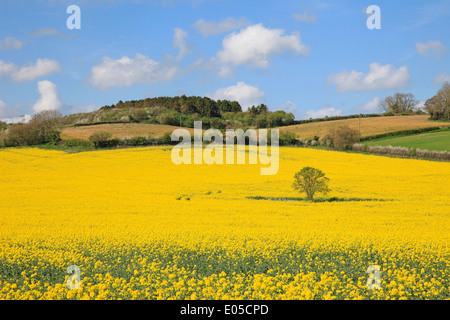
{"points": [[312, 58]]}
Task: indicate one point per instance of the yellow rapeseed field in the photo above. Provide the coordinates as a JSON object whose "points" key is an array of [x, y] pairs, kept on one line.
{"points": [[140, 227]]}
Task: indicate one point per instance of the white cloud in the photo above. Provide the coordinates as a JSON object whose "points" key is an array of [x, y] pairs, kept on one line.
{"points": [[45, 32], [49, 99], [322, 113], [42, 67], [433, 49], [6, 68], [420, 105], [305, 17], [209, 28], [379, 77], [24, 118], [370, 107], [8, 114], [256, 45], [179, 42], [11, 43], [289, 106], [127, 71], [442, 78], [245, 94]]}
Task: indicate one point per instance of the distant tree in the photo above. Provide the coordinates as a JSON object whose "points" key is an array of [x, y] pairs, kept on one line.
{"points": [[228, 106], [138, 115], [22, 134], [341, 138], [41, 129], [3, 126], [46, 123], [311, 181], [261, 121], [51, 118], [263, 108], [280, 118], [235, 106], [438, 106], [260, 109], [399, 103]]}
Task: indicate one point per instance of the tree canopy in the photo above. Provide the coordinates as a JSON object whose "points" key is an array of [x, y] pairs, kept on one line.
{"points": [[311, 181], [185, 110], [438, 106], [399, 103]]}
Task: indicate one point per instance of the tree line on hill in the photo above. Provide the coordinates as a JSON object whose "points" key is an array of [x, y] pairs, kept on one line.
{"points": [[184, 111], [438, 106]]}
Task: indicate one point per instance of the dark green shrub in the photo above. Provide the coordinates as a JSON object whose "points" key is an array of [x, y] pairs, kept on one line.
{"points": [[135, 141], [51, 136], [166, 139], [287, 139], [72, 143], [100, 139], [170, 118]]}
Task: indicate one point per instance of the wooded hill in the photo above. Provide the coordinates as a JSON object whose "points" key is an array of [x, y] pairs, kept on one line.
{"points": [[184, 111]]}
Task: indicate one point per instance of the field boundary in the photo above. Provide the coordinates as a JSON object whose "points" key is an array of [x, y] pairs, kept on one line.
{"points": [[406, 132]]}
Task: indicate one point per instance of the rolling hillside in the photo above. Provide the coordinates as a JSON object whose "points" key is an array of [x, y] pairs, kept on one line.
{"points": [[369, 126], [439, 140]]}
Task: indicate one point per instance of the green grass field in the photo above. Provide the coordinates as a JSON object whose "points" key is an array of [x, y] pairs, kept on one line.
{"points": [[439, 140]]}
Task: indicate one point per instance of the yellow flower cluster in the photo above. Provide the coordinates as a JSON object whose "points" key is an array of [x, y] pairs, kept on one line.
{"points": [[140, 227]]}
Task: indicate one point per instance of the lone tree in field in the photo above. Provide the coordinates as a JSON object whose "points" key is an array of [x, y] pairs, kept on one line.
{"points": [[311, 181]]}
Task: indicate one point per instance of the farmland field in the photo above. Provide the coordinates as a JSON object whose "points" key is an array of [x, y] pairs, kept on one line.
{"points": [[431, 141], [118, 130], [138, 232], [369, 126]]}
